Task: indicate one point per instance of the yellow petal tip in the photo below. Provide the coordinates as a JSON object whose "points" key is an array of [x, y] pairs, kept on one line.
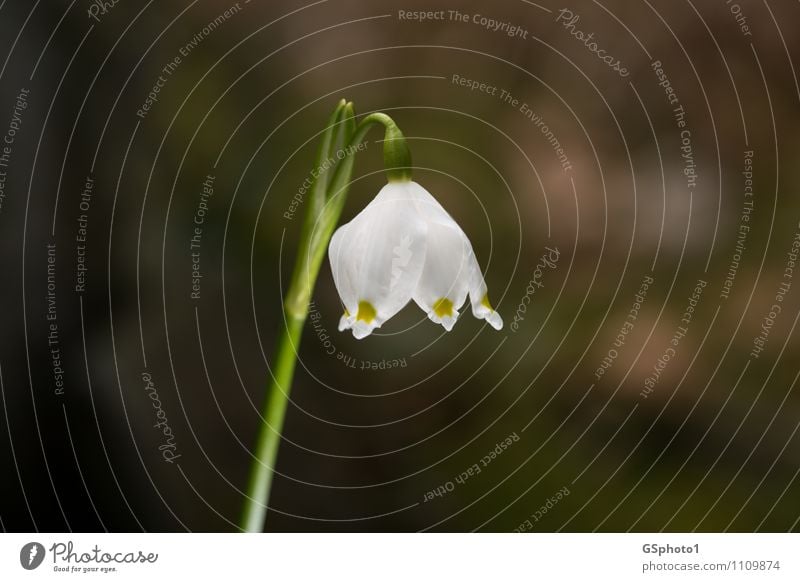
{"points": [[443, 307], [366, 312]]}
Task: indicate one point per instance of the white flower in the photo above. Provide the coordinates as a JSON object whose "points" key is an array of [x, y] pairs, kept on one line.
{"points": [[405, 246]]}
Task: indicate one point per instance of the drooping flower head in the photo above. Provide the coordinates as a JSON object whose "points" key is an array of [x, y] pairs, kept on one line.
{"points": [[404, 245]]}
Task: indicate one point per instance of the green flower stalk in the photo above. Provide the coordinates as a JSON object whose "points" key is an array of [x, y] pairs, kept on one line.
{"points": [[327, 196], [402, 246]]}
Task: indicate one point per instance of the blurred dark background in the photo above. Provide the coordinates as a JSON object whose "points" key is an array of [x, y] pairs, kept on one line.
{"points": [[712, 447]]}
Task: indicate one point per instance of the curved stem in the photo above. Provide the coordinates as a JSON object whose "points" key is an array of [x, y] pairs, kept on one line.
{"points": [[325, 208], [396, 155], [339, 129]]}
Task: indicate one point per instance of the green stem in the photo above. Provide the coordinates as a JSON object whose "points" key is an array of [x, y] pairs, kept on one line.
{"points": [[328, 195], [255, 507], [396, 155]]}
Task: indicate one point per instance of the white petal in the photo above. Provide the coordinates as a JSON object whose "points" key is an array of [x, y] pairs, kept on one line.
{"points": [[377, 259], [405, 245], [346, 321], [469, 276], [430, 207], [344, 269], [444, 283], [481, 308]]}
